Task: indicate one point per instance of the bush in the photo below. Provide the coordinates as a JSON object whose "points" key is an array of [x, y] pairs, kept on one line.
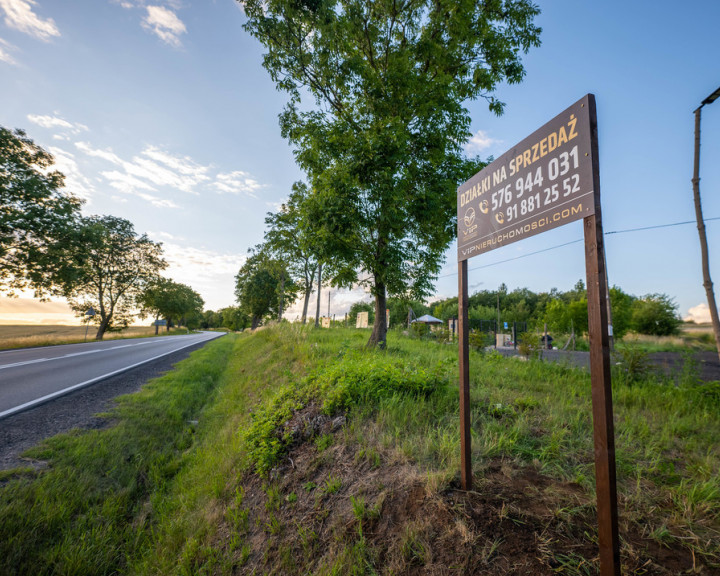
{"points": [[655, 315], [360, 379], [529, 345]]}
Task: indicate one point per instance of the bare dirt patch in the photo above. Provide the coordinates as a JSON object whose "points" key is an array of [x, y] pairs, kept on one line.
{"points": [[344, 509]]}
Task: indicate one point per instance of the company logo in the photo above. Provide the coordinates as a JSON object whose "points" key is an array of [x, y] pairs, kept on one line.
{"points": [[469, 217]]}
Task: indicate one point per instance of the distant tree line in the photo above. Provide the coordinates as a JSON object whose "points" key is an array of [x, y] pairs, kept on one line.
{"points": [[107, 272], [652, 314]]}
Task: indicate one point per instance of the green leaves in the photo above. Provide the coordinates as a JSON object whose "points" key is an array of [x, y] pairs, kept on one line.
{"points": [[109, 268], [263, 285], [36, 216], [383, 145]]}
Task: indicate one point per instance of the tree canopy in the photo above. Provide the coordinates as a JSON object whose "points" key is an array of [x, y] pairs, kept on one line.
{"points": [[111, 267], [36, 216], [263, 286], [383, 147], [290, 238], [170, 300]]}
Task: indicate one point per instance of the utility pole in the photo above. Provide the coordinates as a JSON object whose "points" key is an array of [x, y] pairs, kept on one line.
{"points": [[317, 309], [707, 281]]}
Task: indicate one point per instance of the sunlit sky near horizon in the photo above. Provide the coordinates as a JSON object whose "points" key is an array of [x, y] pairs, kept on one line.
{"points": [[160, 112]]}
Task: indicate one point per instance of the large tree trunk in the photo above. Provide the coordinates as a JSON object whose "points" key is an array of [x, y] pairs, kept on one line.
{"points": [[255, 322], [379, 333], [157, 318], [104, 323]]}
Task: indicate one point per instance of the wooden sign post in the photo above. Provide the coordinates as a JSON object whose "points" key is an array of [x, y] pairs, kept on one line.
{"points": [[549, 179]]}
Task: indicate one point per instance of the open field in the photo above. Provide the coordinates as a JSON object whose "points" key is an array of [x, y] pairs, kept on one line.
{"points": [[24, 336], [298, 451]]}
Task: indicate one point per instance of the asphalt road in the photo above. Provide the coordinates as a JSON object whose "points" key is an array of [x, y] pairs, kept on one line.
{"points": [[32, 376]]}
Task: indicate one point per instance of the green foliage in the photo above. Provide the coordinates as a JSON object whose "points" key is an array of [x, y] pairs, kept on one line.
{"points": [[383, 148], [634, 364], [529, 346], [111, 267], [36, 217], [399, 310], [170, 300], [361, 307], [263, 286], [655, 314], [290, 238], [480, 340], [357, 379], [621, 307], [73, 517]]}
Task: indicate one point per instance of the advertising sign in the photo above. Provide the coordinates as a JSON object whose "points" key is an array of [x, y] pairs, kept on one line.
{"points": [[543, 182]]}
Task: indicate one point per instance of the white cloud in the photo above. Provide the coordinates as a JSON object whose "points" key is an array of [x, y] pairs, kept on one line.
{"points": [[75, 181], [19, 15], [154, 169], [56, 122], [164, 24], [210, 273], [237, 182], [104, 154], [479, 142], [699, 314], [126, 182], [4, 54]]}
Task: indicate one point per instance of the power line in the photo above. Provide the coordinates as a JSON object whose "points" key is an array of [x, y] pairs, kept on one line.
{"points": [[659, 226], [580, 240]]}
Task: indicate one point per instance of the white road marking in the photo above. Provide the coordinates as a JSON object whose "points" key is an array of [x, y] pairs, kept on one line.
{"points": [[38, 360], [37, 401]]}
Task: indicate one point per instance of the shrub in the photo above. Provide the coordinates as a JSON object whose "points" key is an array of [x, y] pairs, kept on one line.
{"points": [[362, 379]]}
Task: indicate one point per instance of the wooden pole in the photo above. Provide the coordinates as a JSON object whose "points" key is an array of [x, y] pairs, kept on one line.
{"points": [[464, 362], [603, 426], [707, 281]]}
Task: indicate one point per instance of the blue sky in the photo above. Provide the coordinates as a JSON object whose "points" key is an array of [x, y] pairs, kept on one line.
{"points": [[160, 112]]}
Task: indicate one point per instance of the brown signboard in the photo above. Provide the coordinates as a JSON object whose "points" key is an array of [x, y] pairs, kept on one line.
{"points": [[543, 182]]}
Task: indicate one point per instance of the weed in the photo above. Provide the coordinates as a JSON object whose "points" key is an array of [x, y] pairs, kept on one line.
{"points": [[413, 549], [332, 485], [324, 442]]}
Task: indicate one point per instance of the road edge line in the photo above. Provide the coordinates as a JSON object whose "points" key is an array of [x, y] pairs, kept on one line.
{"points": [[43, 399]]}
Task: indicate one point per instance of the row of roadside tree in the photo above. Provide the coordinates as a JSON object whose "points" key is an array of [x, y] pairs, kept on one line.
{"points": [[97, 263]]}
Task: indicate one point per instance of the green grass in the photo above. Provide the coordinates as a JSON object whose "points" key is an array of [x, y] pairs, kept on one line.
{"points": [[148, 494], [92, 509]]}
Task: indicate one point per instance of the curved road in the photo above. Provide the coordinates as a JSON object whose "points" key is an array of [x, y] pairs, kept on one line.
{"points": [[31, 376]]}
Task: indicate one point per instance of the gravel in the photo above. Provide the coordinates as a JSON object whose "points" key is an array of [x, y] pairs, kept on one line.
{"points": [[76, 410]]}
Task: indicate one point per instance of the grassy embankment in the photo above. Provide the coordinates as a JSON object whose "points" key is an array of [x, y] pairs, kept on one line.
{"points": [[27, 336], [240, 461]]}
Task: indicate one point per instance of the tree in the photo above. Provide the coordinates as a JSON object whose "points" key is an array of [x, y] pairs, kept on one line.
{"points": [[233, 318], [383, 148], [358, 307], [621, 306], [36, 216], [170, 300], [290, 237], [263, 285], [655, 314], [111, 267]]}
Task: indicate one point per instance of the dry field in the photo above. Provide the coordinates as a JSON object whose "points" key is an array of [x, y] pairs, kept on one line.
{"points": [[19, 336]]}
